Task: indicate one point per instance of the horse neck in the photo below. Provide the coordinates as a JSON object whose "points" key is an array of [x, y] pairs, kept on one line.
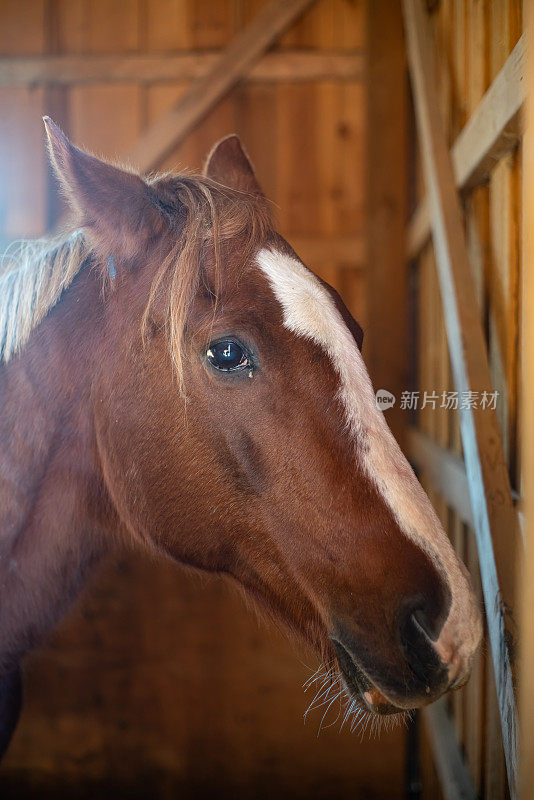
{"points": [[52, 502]]}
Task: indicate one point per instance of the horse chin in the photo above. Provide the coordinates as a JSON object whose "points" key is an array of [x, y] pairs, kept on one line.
{"points": [[358, 685]]}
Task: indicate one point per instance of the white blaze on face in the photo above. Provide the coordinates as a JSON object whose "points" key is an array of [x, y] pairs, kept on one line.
{"points": [[309, 310]]}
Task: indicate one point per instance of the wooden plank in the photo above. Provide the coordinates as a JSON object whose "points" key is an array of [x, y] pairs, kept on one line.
{"points": [[478, 702], [332, 24], [527, 434], [386, 187], [474, 705], [231, 65], [445, 469], [66, 70], [346, 251], [23, 27], [103, 118], [495, 521], [455, 780], [493, 130], [172, 25], [494, 759], [502, 323]]}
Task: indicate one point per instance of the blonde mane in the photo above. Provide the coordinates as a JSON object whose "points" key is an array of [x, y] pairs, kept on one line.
{"points": [[34, 274]]}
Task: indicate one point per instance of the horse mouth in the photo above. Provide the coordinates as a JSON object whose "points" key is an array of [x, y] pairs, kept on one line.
{"points": [[358, 684]]}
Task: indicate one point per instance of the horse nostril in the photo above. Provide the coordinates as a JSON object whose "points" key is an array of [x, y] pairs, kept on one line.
{"points": [[425, 624], [417, 633]]}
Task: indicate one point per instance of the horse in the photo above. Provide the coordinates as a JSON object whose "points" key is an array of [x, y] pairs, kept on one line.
{"points": [[174, 377]]}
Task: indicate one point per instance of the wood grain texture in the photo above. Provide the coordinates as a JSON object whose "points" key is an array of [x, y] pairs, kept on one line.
{"points": [[444, 469], [241, 53], [527, 578], [160, 684], [455, 780], [143, 68], [492, 131], [163, 684], [450, 253]]}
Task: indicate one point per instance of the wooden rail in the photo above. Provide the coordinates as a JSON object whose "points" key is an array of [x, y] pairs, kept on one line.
{"points": [[455, 780], [242, 52], [446, 471], [73, 70], [493, 130], [495, 521]]}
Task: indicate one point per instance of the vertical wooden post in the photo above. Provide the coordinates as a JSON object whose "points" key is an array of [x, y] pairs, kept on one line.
{"points": [[495, 520], [526, 696], [386, 193]]}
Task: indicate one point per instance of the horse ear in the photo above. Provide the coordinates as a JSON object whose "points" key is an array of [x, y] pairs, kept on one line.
{"points": [[229, 164], [113, 204]]}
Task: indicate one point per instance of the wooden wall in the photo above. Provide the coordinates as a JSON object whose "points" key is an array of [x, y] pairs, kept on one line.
{"points": [[527, 595], [472, 40], [159, 683]]}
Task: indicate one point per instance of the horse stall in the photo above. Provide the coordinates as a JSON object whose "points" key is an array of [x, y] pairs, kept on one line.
{"points": [[387, 136]]}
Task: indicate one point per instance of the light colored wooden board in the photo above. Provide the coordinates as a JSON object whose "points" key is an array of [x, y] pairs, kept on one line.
{"points": [[455, 779], [527, 437], [492, 131], [494, 759], [503, 296], [445, 469], [61, 70], [486, 468], [474, 691]]}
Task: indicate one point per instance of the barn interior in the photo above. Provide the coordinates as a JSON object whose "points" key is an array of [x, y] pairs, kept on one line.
{"points": [[370, 124]]}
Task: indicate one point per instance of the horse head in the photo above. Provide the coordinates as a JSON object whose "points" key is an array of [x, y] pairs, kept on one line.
{"points": [[237, 428]]}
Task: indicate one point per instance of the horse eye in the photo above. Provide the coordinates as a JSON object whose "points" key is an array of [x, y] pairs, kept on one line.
{"points": [[228, 355]]}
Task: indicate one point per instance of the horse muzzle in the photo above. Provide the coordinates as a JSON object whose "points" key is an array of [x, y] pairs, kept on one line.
{"points": [[416, 674]]}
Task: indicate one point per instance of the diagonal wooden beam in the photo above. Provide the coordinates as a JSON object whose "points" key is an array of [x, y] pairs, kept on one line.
{"points": [[495, 521], [493, 130], [156, 142]]}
